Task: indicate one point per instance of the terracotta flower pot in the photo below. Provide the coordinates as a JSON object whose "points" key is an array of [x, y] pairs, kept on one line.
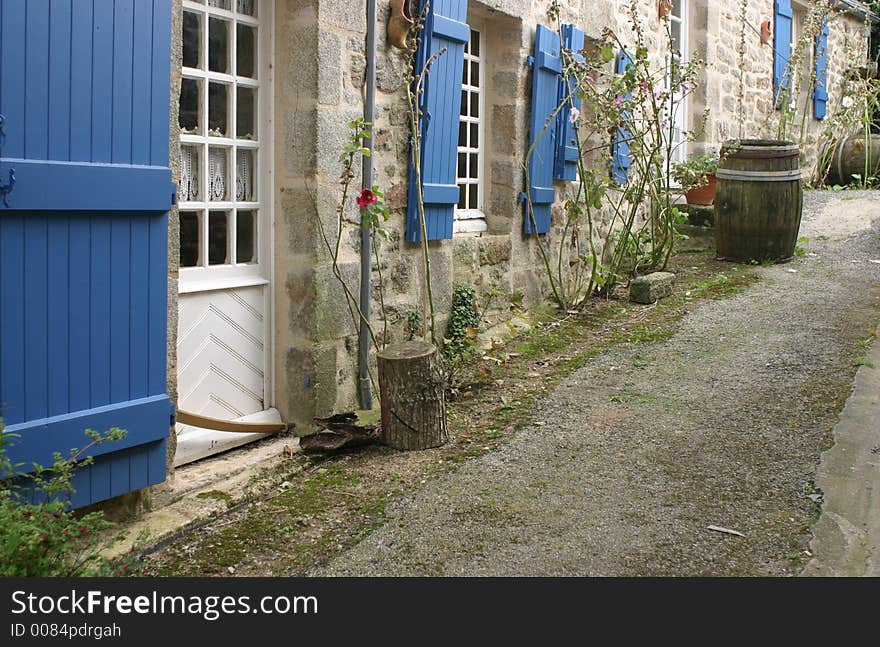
{"points": [[705, 195]]}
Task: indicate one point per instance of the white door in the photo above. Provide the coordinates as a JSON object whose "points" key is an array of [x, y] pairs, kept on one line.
{"points": [[224, 344]]}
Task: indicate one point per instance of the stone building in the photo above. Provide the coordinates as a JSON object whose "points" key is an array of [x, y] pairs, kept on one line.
{"points": [[259, 100], [276, 334]]}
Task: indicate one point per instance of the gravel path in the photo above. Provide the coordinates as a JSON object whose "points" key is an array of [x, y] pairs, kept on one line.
{"points": [[634, 455]]}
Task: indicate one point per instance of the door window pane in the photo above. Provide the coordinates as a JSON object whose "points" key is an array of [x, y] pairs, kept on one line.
{"points": [[218, 45], [189, 238], [246, 51], [190, 175], [245, 121], [218, 110], [246, 236], [218, 174], [190, 106], [218, 239], [245, 175], [192, 39], [246, 7]]}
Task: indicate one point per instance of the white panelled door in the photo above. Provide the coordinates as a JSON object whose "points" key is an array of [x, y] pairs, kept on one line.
{"points": [[224, 345]]}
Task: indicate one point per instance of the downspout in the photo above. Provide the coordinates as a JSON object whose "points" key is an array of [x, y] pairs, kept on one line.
{"points": [[365, 390]]}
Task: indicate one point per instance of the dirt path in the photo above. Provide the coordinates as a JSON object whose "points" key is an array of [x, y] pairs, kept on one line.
{"points": [[635, 454]]}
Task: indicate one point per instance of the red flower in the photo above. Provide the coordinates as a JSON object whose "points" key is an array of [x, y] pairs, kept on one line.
{"points": [[366, 199]]}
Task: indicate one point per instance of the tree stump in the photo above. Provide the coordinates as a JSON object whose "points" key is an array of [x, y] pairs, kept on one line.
{"points": [[413, 395]]}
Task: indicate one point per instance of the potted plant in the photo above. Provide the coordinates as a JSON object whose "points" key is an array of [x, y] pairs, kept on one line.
{"points": [[697, 179]]}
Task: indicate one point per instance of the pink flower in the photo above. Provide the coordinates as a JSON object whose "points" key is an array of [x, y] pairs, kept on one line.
{"points": [[366, 199], [618, 100], [573, 115]]}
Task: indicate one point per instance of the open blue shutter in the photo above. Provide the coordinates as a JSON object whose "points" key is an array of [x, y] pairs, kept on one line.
{"points": [[567, 149], [445, 27], [820, 93], [85, 93], [545, 96], [782, 33], [621, 156]]}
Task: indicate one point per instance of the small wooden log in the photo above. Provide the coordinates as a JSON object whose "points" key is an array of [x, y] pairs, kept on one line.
{"points": [[413, 394]]}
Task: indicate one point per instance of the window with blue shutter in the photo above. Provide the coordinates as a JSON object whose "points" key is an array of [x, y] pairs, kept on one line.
{"points": [[782, 34], [567, 148], [85, 93], [440, 104], [820, 93], [621, 156], [547, 68]]}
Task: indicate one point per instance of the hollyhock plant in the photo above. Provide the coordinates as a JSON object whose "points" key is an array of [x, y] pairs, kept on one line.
{"points": [[367, 198]]}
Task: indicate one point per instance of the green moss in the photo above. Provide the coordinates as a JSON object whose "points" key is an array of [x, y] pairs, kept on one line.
{"points": [[216, 495]]}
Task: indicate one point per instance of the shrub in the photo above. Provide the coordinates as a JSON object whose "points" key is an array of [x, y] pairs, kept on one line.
{"points": [[39, 535]]}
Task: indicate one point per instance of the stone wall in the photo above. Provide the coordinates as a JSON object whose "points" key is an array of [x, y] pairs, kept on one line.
{"points": [[320, 66], [319, 78], [743, 107]]}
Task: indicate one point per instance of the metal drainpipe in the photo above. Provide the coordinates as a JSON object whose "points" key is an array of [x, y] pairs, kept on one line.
{"points": [[366, 392]]}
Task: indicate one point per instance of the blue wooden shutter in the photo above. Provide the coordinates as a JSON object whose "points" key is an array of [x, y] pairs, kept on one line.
{"points": [[782, 33], [820, 93], [621, 156], [445, 27], [84, 274], [567, 149], [545, 97]]}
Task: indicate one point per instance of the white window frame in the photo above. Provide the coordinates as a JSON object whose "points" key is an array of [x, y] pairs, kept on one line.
{"points": [[473, 221], [207, 277], [799, 15], [679, 153]]}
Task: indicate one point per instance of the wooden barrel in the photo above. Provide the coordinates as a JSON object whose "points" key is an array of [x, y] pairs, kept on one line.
{"points": [[759, 201], [850, 157]]}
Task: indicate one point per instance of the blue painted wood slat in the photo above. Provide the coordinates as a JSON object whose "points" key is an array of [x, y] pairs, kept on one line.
{"points": [[78, 186], [59, 79], [36, 333], [120, 309], [142, 83], [139, 263], [123, 58], [160, 86], [79, 316], [782, 32], [156, 351], [12, 80], [99, 310], [81, 81], [102, 86], [621, 156], [36, 99], [567, 146], [146, 420], [820, 92], [543, 128], [445, 27], [58, 264], [12, 348]]}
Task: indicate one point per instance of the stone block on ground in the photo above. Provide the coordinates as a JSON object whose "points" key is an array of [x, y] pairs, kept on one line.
{"points": [[651, 287]]}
